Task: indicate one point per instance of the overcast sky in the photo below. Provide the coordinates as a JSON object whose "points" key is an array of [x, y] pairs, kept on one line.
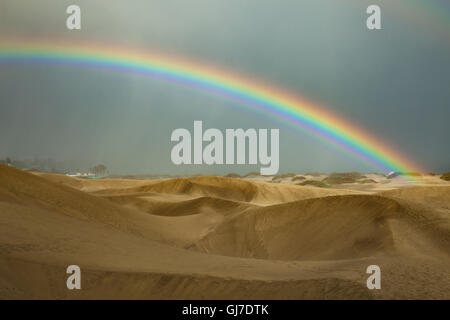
{"points": [[393, 82]]}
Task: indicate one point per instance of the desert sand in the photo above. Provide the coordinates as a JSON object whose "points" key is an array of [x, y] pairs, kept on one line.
{"points": [[212, 237]]}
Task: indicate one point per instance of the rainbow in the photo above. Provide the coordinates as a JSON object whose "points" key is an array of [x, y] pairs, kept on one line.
{"points": [[291, 110]]}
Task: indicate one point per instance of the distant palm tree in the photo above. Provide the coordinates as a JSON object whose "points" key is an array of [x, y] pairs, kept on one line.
{"points": [[99, 169]]}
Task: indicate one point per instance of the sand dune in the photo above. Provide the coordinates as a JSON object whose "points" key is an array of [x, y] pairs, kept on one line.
{"points": [[91, 185], [338, 227], [180, 208], [218, 238], [260, 193], [432, 196]]}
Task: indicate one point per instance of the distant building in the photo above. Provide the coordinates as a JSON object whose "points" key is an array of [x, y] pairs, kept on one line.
{"points": [[392, 175]]}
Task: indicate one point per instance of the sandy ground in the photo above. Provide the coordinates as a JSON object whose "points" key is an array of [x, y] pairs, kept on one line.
{"points": [[223, 238]]}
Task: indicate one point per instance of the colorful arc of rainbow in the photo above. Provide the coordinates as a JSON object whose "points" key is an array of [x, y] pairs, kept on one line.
{"points": [[297, 112]]}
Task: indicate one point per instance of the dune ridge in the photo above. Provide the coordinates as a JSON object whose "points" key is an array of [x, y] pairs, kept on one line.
{"points": [[260, 193], [335, 227]]}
